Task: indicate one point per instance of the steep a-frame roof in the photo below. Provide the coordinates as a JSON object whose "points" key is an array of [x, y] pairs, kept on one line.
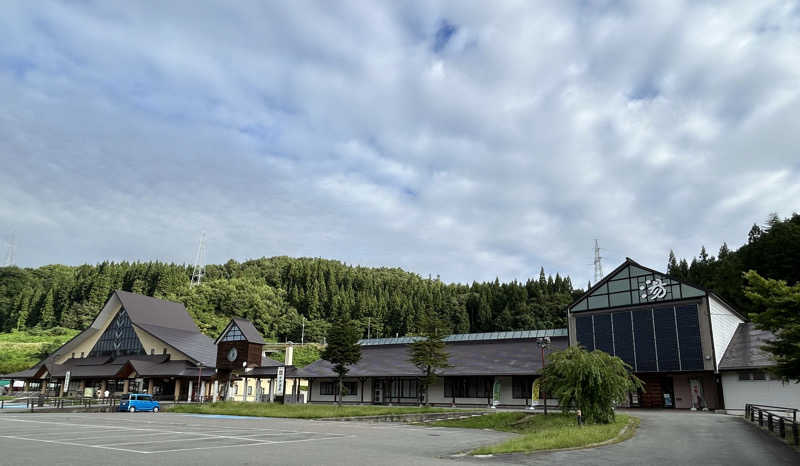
{"points": [[248, 330], [153, 311], [631, 284]]}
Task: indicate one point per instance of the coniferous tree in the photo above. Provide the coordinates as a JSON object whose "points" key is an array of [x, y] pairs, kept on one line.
{"points": [[429, 354], [779, 306], [342, 351]]}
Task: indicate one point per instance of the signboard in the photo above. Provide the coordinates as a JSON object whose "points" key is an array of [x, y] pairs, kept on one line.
{"points": [[535, 390], [496, 393], [66, 381], [279, 381]]}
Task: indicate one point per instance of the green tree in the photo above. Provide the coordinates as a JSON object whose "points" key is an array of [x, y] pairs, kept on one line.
{"points": [[591, 382], [428, 353], [342, 351], [48, 318], [779, 306]]}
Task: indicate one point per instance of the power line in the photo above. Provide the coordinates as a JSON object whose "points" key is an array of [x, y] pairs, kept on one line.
{"points": [[199, 269]]}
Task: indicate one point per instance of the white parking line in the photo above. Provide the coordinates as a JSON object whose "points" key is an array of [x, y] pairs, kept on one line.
{"points": [[249, 444], [70, 443]]}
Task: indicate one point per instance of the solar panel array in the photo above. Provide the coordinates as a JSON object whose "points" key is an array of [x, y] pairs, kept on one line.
{"points": [[516, 334]]}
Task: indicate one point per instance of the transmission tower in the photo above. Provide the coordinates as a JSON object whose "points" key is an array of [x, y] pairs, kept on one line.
{"points": [[598, 263], [199, 269], [11, 252]]}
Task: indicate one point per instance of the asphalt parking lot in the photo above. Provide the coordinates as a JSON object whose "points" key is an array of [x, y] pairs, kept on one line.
{"points": [[664, 438], [146, 438]]}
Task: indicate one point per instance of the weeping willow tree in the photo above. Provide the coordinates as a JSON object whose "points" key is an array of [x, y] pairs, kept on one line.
{"points": [[591, 382]]}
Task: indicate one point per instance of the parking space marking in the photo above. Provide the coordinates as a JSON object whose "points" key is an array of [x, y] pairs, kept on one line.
{"points": [[250, 444], [127, 434], [70, 444], [237, 436]]}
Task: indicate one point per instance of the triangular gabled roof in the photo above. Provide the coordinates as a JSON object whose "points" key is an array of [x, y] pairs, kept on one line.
{"points": [[248, 330], [631, 284], [153, 311]]}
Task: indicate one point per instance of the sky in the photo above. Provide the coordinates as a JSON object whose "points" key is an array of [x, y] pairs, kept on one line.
{"points": [[468, 140]]}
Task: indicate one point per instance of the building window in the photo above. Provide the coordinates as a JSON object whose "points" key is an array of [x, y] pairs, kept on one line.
{"points": [[332, 388], [249, 391], [152, 351], [744, 376], [405, 388], [165, 351], [233, 334], [759, 375], [468, 387], [81, 353], [522, 386], [73, 355], [235, 389]]}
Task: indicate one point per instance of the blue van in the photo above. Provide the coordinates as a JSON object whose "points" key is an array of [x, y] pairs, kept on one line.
{"points": [[138, 402]]}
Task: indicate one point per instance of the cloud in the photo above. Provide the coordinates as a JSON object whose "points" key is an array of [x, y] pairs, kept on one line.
{"points": [[447, 138]]}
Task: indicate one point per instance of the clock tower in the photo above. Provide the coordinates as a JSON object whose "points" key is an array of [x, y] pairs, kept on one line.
{"points": [[239, 345]]}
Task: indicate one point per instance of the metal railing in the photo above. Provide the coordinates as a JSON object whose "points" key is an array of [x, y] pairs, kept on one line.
{"points": [[49, 402], [779, 420]]}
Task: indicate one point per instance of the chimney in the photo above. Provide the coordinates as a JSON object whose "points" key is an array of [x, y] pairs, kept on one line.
{"points": [[289, 358]]}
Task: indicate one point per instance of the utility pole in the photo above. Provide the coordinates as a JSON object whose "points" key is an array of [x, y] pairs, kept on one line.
{"points": [[598, 263], [199, 268]]}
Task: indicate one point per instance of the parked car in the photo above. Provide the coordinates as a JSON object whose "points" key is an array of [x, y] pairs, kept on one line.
{"points": [[139, 402]]}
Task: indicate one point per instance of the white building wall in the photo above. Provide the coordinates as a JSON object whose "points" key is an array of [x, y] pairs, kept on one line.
{"points": [[723, 326], [737, 392], [354, 398]]}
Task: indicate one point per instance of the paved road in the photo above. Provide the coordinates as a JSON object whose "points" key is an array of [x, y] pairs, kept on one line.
{"points": [[664, 438], [674, 438]]}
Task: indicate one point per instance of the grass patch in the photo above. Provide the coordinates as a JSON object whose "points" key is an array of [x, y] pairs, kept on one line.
{"points": [[6, 398], [302, 411], [21, 350], [539, 432]]}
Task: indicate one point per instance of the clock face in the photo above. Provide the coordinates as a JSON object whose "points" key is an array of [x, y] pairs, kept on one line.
{"points": [[232, 353]]}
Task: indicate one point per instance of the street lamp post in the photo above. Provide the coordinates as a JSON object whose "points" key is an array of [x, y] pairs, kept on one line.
{"points": [[199, 392], [544, 342], [244, 371]]}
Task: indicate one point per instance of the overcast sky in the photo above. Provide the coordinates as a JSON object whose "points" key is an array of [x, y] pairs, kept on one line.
{"points": [[472, 140]]}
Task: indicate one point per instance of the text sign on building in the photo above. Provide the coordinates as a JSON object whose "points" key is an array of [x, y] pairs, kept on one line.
{"points": [[279, 380], [66, 381]]}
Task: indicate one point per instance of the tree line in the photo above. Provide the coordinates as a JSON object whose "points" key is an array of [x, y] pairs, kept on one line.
{"points": [[772, 250], [286, 298]]}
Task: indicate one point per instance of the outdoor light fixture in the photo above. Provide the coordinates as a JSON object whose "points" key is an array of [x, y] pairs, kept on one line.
{"points": [[543, 342]]}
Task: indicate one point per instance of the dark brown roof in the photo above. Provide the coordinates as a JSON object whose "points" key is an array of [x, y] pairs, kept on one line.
{"points": [[497, 357], [744, 351], [170, 369]]}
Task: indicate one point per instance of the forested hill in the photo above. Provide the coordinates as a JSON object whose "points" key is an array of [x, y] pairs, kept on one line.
{"points": [[278, 294], [772, 250]]}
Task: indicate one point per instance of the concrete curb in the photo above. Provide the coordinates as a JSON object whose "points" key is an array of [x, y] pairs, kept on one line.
{"points": [[408, 418]]}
